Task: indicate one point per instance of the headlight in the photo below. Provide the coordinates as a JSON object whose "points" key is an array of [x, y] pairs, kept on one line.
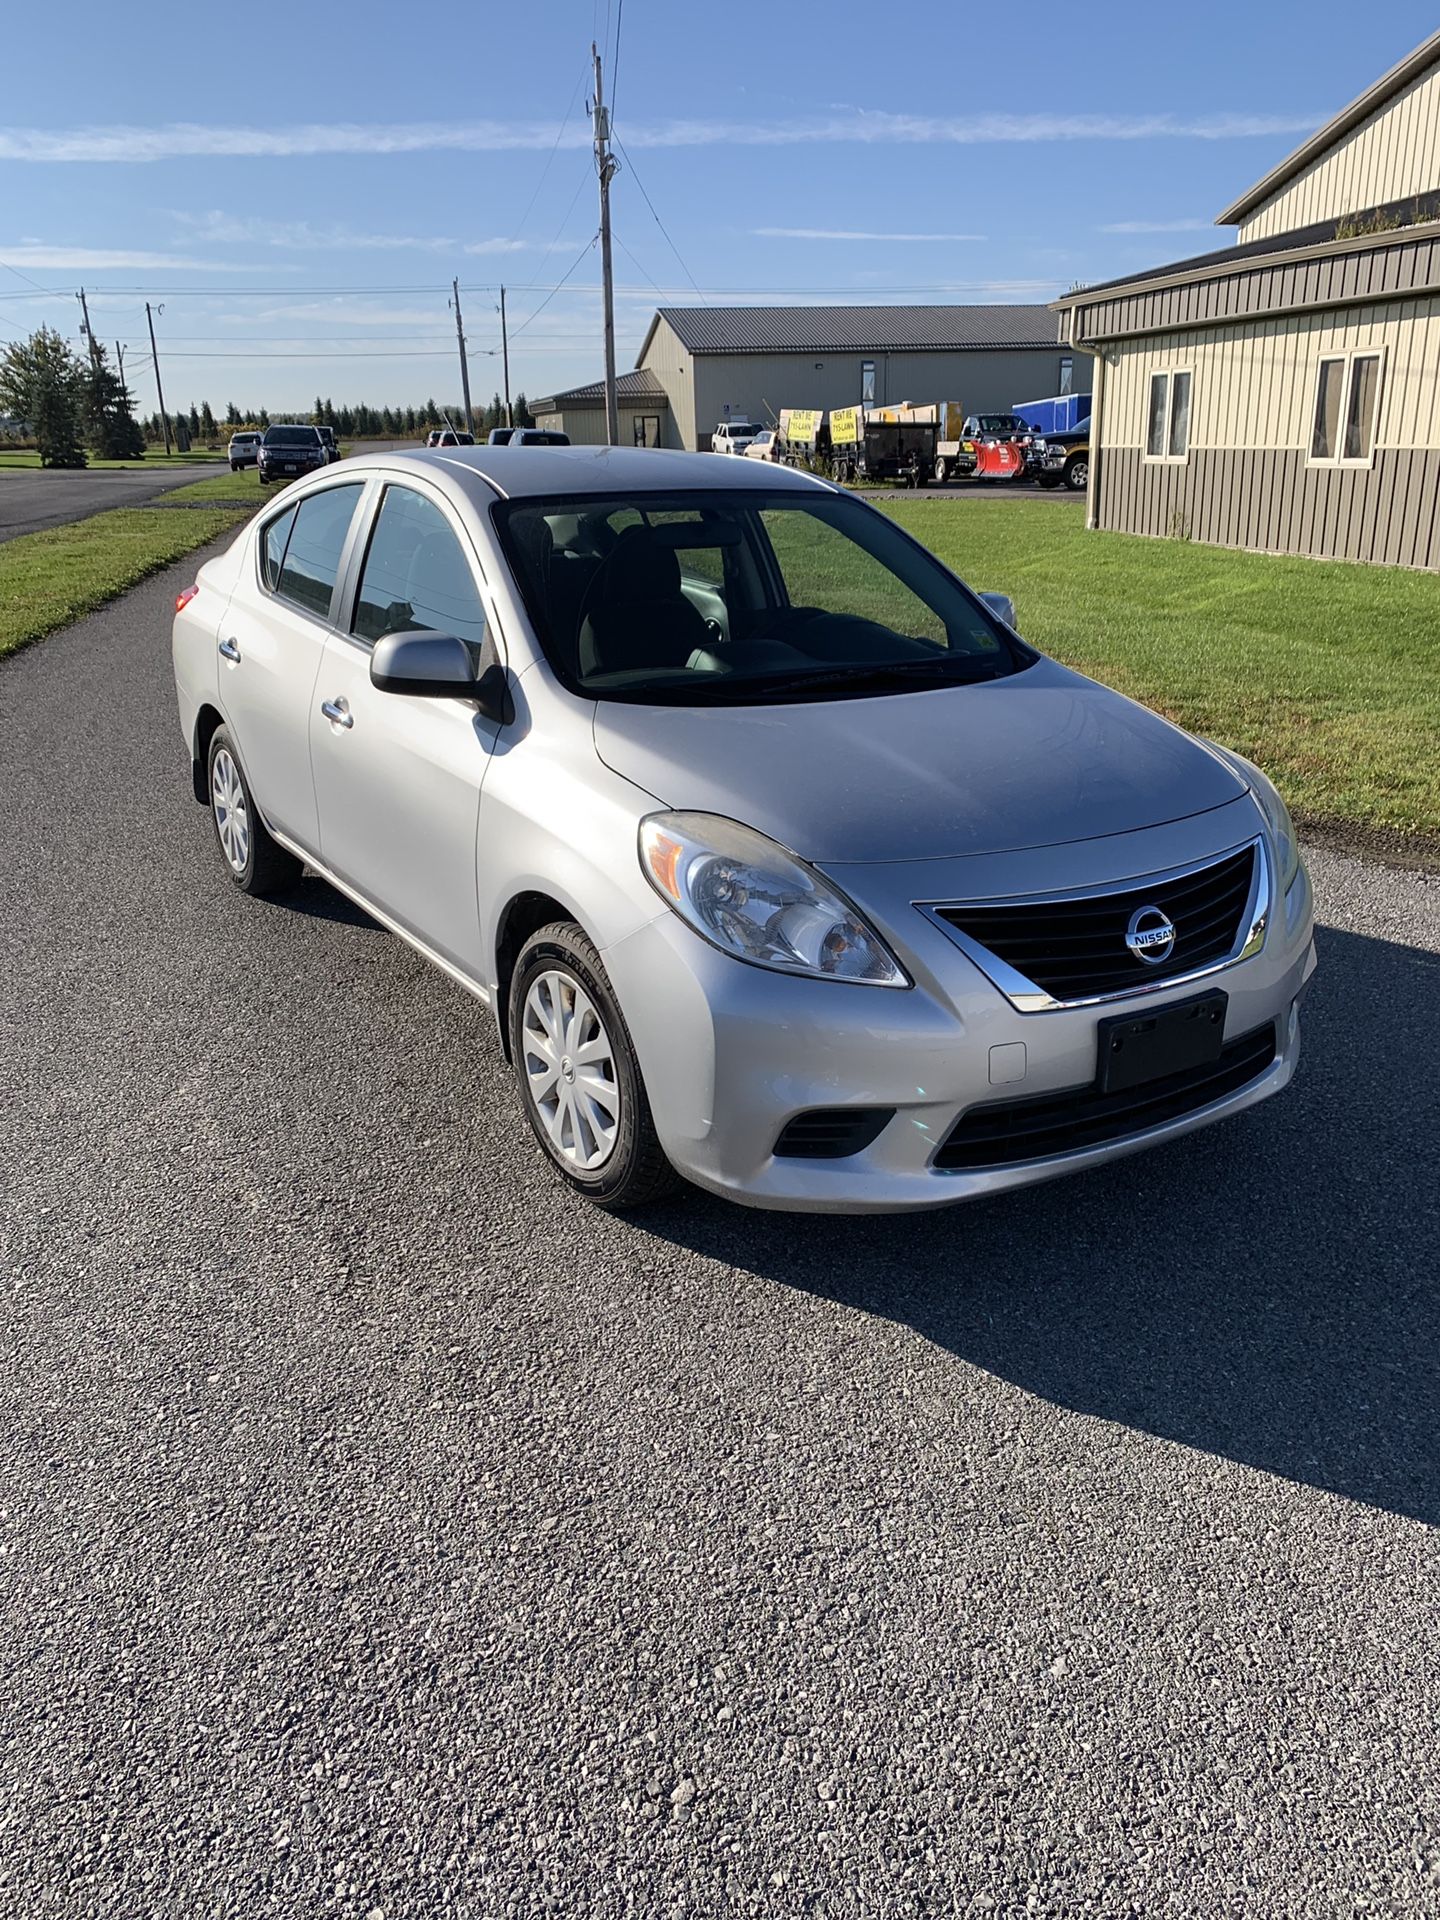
{"points": [[748, 896], [1277, 816]]}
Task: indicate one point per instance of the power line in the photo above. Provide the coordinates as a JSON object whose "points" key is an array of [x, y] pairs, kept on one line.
{"points": [[555, 289], [22, 276], [550, 157], [658, 221], [635, 263], [615, 60]]}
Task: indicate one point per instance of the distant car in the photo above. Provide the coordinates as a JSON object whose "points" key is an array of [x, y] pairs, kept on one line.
{"points": [[244, 450], [327, 435], [534, 437], [499, 436], [287, 452], [452, 437], [732, 436], [765, 446]]}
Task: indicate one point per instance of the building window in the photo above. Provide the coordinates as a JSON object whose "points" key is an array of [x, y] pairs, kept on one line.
{"points": [[867, 383], [1167, 420], [647, 429], [1347, 409], [1067, 374]]}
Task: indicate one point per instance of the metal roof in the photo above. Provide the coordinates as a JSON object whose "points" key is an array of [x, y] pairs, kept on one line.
{"points": [[1333, 131], [641, 385], [855, 329]]}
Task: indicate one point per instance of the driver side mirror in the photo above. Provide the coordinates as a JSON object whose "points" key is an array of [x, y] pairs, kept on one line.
{"points": [[438, 666], [1003, 607]]}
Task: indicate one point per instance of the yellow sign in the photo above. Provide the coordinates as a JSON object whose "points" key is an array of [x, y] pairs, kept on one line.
{"points": [[800, 423], [844, 425]]}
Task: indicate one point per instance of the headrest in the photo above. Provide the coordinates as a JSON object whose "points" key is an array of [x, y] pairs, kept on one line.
{"points": [[640, 568]]}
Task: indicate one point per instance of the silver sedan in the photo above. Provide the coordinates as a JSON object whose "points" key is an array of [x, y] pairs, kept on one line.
{"points": [[784, 863]]}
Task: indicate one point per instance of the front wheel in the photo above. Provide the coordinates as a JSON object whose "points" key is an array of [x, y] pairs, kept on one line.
{"points": [[258, 864], [580, 1080], [942, 471], [1077, 474]]}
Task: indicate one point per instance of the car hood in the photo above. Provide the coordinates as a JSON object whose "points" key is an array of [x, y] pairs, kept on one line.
{"points": [[1038, 759]]}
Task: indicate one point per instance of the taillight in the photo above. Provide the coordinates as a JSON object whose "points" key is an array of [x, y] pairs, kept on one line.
{"points": [[185, 596]]}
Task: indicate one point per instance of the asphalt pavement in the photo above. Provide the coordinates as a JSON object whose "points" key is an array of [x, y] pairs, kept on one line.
{"points": [[382, 1532], [31, 498]]}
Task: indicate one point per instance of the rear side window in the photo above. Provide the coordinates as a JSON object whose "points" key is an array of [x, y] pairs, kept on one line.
{"points": [[317, 540], [272, 547], [416, 574]]}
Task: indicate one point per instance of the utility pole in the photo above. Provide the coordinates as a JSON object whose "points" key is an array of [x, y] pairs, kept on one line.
{"points": [[90, 339], [120, 359], [505, 357], [464, 364], [605, 166], [159, 390]]}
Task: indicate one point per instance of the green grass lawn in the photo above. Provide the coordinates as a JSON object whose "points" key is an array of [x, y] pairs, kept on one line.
{"points": [[49, 579], [1326, 675], [154, 461], [244, 485]]}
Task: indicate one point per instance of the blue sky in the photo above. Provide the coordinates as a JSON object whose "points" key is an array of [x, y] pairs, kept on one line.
{"points": [[298, 185]]}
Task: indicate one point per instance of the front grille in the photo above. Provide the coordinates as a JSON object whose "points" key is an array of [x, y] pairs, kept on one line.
{"points": [[1075, 949], [1010, 1132], [831, 1133]]}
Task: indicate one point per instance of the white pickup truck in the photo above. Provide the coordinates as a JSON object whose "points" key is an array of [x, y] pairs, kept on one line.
{"points": [[732, 436]]}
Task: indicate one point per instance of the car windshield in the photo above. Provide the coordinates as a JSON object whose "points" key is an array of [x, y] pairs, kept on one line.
{"points": [[744, 597], [291, 437], [1001, 423]]}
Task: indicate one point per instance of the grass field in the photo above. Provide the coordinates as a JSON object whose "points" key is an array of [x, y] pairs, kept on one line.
{"points": [[244, 485], [1326, 675], [49, 579], [152, 463]]}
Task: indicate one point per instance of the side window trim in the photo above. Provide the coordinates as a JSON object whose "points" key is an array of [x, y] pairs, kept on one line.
{"points": [[275, 518], [1346, 358], [273, 593]]}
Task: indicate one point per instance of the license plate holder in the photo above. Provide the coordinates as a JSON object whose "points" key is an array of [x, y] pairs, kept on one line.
{"points": [[1135, 1048]]}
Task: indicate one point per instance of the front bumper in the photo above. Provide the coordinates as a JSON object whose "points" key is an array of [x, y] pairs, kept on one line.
{"points": [[731, 1053]]}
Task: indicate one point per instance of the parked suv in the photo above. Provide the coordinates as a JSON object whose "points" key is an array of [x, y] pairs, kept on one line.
{"points": [[527, 437], [732, 436], [244, 450], [780, 859], [287, 452]]}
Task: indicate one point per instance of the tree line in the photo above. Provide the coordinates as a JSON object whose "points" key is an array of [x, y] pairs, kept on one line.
{"points": [[357, 422], [69, 404]]}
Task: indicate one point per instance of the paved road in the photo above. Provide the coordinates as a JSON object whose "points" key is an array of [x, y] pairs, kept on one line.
{"points": [[381, 1532], [30, 498]]}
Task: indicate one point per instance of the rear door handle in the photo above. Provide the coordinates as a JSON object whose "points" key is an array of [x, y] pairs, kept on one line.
{"points": [[338, 711], [229, 650]]}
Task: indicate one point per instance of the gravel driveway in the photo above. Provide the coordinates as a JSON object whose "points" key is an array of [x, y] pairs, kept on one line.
{"points": [[383, 1533]]}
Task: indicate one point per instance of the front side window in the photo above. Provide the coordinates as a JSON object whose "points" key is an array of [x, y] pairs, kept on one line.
{"points": [[1167, 415], [312, 554], [740, 598], [1347, 407], [416, 574]]}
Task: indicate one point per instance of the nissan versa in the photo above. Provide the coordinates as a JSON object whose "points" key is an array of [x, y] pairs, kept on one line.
{"points": [[783, 862]]}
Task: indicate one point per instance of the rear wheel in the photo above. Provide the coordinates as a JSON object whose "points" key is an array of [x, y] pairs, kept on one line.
{"points": [[942, 471], [258, 864], [579, 1077]]}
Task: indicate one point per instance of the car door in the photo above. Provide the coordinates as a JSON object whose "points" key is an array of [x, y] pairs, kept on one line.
{"points": [[398, 776], [271, 642]]}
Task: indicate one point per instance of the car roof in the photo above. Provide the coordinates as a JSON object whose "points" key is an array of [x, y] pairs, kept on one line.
{"points": [[530, 472]]}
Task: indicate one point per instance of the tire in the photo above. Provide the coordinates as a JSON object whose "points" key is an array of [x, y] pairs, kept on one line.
{"points": [[1077, 473], [257, 864], [603, 1145], [1047, 480], [942, 471]]}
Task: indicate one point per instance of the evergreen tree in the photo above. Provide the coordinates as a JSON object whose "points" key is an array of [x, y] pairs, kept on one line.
{"points": [[194, 422], [387, 422], [430, 417], [329, 413], [264, 421], [41, 381], [207, 422], [232, 414], [523, 416], [110, 424], [410, 420]]}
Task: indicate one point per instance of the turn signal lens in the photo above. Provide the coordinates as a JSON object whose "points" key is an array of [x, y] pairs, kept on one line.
{"points": [[184, 597]]}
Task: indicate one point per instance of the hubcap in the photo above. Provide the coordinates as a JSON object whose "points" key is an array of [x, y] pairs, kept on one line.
{"points": [[232, 815], [570, 1070]]}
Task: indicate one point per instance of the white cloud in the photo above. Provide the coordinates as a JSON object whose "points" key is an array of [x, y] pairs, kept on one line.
{"points": [[1158, 226], [39, 253], [853, 233], [299, 236], [860, 126]]}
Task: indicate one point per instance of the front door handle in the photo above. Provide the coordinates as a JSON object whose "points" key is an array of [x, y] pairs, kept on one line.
{"points": [[229, 650], [338, 711]]}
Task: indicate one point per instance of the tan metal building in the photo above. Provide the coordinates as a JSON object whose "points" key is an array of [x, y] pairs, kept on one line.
{"points": [[580, 411], [1284, 393], [746, 363]]}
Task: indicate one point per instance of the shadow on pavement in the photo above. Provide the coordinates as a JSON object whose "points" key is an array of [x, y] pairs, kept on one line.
{"points": [[1265, 1290]]}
